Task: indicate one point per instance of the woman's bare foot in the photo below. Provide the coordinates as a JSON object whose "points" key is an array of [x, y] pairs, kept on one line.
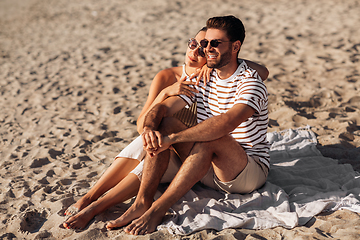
{"points": [[81, 219], [78, 206], [135, 211], [147, 223]]}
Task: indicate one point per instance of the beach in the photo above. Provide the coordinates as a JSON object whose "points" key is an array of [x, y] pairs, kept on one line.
{"points": [[74, 76]]}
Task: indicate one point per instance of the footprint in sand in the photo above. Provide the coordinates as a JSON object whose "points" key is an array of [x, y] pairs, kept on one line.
{"points": [[8, 236], [54, 153], [64, 182], [92, 174], [29, 221], [117, 110], [32, 220], [39, 162], [77, 165], [44, 235], [116, 90]]}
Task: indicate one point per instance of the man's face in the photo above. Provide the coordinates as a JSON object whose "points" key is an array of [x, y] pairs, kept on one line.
{"points": [[219, 56]]}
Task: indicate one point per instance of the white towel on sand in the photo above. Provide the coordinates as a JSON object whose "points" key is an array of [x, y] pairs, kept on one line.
{"points": [[301, 184]]}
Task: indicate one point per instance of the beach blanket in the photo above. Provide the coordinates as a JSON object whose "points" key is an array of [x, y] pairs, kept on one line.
{"points": [[301, 184]]}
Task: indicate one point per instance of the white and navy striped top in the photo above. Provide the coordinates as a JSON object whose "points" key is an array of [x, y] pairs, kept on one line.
{"points": [[219, 95]]}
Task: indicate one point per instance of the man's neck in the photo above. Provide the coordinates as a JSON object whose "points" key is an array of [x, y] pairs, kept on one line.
{"points": [[227, 70]]}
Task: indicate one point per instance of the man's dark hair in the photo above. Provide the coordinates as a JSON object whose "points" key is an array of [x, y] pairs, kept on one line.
{"points": [[233, 27]]}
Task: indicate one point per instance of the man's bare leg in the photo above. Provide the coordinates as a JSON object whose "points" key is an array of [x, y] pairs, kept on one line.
{"points": [[154, 169], [118, 170], [191, 171], [223, 154], [124, 190]]}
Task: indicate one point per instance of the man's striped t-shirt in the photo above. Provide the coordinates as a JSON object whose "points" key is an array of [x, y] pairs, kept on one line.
{"points": [[243, 87]]}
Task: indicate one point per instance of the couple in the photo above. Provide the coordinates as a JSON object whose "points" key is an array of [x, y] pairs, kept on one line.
{"points": [[227, 150]]}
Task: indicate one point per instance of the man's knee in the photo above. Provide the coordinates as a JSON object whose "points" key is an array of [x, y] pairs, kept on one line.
{"points": [[224, 146], [214, 144], [204, 147]]}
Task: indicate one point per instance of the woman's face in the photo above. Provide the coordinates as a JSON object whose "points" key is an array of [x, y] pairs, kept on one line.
{"points": [[192, 58]]}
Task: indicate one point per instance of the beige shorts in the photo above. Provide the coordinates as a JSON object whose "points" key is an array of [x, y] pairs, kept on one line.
{"points": [[251, 178]]}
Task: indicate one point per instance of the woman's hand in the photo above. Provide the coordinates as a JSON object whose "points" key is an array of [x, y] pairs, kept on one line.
{"points": [[181, 87], [203, 73]]}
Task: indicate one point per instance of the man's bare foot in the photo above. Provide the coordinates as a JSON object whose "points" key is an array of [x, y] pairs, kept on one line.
{"points": [[145, 224], [81, 219], [135, 211], [78, 206]]}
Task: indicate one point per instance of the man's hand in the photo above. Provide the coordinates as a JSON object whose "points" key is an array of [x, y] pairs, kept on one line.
{"points": [[153, 142], [165, 144], [151, 139]]}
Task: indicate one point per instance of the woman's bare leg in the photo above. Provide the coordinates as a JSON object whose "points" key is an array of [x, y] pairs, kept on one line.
{"points": [[124, 190], [118, 170]]}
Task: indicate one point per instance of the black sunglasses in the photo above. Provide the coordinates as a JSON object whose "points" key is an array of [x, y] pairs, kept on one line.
{"points": [[193, 45], [214, 43]]}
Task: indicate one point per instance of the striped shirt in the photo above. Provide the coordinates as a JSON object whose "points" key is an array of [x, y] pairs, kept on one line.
{"points": [[219, 95]]}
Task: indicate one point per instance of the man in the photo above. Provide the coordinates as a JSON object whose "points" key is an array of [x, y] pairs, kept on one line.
{"points": [[227, 150]]}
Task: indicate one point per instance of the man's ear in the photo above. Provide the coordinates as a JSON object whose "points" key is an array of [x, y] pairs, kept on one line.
{"points": [[236, 46]]}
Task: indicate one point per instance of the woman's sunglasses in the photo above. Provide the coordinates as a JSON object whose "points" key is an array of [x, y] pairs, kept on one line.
{"points": [[193, 45], [214, 43]]}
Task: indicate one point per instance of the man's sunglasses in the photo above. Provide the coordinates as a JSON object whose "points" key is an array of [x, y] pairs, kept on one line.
{"points": [[193, 45], [214, 43]]}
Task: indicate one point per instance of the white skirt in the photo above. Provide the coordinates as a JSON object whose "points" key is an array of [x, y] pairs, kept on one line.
{"points": [[135, 150]]}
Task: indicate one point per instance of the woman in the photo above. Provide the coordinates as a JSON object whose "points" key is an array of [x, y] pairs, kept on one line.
{"points": [[121, 182]]}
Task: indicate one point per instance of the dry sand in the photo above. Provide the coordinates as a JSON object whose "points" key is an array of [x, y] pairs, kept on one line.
{"points": [[74, 76]]}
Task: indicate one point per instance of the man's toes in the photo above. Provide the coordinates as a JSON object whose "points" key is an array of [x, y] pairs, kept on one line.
{"points": [[127, 229], [112, 224], [130, 228], [141, 231], [133, 231], [136, 230]]}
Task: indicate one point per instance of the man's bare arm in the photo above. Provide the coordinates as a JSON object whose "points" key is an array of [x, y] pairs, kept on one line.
{"points": [[215, 127], [152, 139], [165, 109]]}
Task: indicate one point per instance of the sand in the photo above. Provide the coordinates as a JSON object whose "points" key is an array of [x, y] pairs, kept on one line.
{"points": [[74, 76]]}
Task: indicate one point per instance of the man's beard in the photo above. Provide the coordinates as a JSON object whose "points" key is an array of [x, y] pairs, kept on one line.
{"points": [[225, 58]]}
